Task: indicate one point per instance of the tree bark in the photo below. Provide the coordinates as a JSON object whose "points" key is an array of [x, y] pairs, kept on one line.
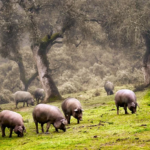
{"points": [[146, 59], [49, 86], [146, 68], [28, 82], [25, 82]]}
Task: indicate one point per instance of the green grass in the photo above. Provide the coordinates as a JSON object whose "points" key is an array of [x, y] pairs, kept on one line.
{"points": [[101, 127]]}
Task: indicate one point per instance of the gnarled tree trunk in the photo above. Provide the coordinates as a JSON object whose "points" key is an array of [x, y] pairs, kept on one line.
{"points": [[146, 67], [146, 59], [26, 82], [45, 78]]}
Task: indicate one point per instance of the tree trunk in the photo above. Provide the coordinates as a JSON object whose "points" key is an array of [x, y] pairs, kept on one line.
{"points": [[146, 68], [25, 82], [45, 78], [146, 59], [28, 82]]}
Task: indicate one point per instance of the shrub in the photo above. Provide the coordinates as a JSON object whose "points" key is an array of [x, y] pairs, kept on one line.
{"points": [[123, 77], [32, 89], [100, 70], [111, 78], [96, 93], [6, 96], [67, 87], [139, 88]]}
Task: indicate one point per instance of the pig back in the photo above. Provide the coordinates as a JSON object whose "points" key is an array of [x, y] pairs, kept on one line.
{"points": [[22, 96], [109, 86], [39, 92], [125, 96], [10, 118], [70, 104]]}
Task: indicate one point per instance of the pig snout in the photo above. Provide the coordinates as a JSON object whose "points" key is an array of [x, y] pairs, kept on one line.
{"points": [[134, 111], [64, 129], [80, 118], [19, 131], [20, 134], [32, 103]]}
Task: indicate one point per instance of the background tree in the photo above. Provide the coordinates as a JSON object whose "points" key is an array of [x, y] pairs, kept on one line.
{"points": [[126, 24], [45, 22], [65, 19], [11, 36]]}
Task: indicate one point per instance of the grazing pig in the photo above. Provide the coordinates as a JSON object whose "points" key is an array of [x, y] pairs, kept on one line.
{"points": [[12, 120], [72, 107], [23, 96], [109, 87], [44, 113], [39, 95], [126, 98]]}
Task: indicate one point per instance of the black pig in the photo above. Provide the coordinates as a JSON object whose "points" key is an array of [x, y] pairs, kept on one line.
{"points": [[109, 87], [44, 113], [11, 120], [72, 107], [126, 98]]}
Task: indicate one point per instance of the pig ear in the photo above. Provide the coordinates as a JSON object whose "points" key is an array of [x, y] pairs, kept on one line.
{"points": [[16, 129], [76, 110], [64, 121], [133, 104], [20, 129], [82, 110], [57, 124]]}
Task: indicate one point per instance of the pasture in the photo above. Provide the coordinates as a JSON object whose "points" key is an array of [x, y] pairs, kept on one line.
{"points": [[100, 129]]}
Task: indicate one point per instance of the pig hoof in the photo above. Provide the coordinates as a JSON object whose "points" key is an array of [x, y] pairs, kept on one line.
{"points": [[47, 133]]}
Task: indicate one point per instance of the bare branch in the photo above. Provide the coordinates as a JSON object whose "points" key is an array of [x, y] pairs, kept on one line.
{"points": [[57, 42]]}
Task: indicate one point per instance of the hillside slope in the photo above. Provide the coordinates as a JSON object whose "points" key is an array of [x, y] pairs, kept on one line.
{"points": [[101, 127]]}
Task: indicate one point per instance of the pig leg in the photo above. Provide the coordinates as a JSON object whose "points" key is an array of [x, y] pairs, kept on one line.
{"points": [[37, 100], [68, 118], [11, 129], [27, 104], [42, 127], [111, 92], [47, 128], [16, 104], [56, 129], [23, 104], [78, 121], [3, 130], [125, 109], [36, 124], [117, 110]]}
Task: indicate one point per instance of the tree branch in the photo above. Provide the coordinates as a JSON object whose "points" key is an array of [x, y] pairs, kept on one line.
{"points": [[57, 42], [95, 20], [32, 78]]}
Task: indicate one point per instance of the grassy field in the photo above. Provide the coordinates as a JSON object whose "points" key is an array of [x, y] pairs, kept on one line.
{"points": [[100, 129]]}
